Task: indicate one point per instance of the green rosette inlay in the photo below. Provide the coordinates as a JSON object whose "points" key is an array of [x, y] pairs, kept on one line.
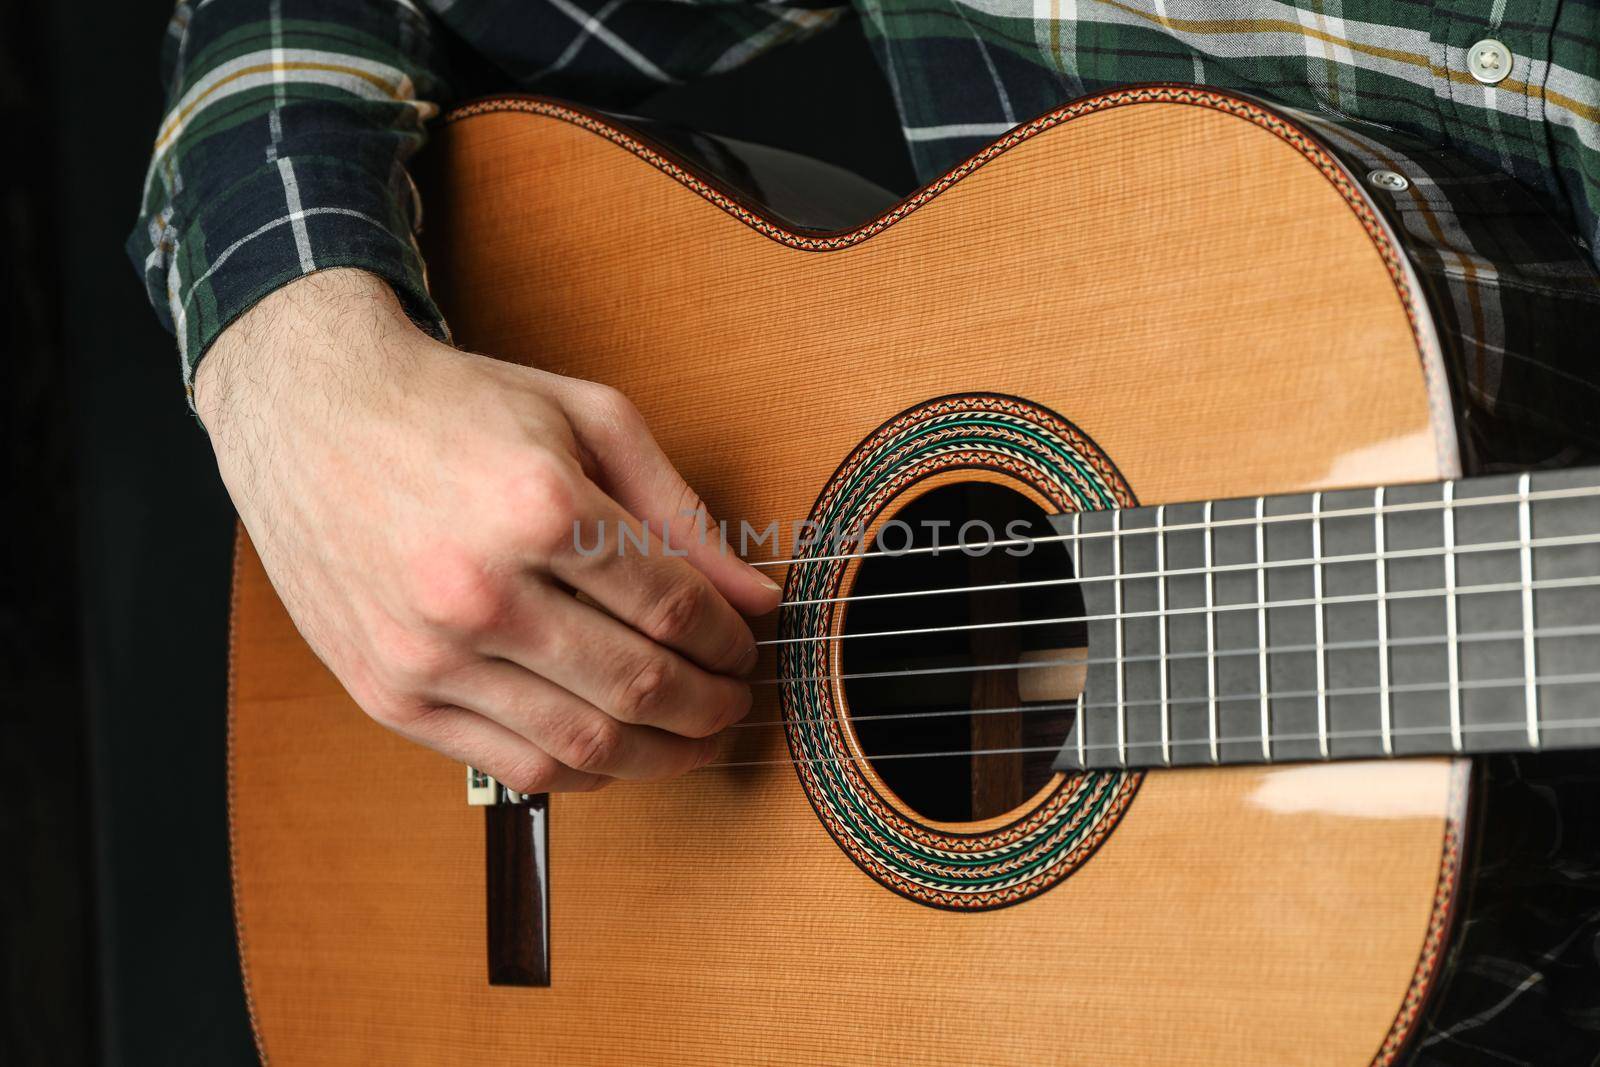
{"points": [[933, 865]]}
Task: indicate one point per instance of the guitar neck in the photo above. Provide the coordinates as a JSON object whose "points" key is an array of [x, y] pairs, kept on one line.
{"points": [[1454, 617]]}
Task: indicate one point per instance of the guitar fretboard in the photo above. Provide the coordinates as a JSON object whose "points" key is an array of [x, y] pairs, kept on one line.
{"points": [[1457, 617]]}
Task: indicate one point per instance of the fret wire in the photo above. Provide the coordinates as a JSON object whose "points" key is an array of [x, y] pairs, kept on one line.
{"points": [[1530, 689], [1453, 648], [1083, 759], [1261, 627], [1116, 588], [1383, 623], [1211, 641], [1161, 605], [1429, 505], [1317, 612]]}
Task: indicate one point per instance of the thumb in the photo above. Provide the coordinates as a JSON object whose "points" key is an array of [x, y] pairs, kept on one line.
{"points": [[628, 463]]}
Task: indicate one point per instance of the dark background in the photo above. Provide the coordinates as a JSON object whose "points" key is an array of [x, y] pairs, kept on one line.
{"points": [[116, 936]]}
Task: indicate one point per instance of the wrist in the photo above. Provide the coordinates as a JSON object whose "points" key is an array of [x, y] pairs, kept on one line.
{"points": [[316, 325]]}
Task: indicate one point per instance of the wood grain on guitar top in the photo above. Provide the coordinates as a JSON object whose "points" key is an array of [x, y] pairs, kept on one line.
{"points": [[1180, 283]]}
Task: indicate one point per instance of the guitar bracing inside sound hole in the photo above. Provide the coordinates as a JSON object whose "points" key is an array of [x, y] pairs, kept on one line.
{"points": [[1001, 698]]}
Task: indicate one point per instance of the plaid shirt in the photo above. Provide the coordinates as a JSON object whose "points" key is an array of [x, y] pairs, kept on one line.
{"points": [[290, 121]]}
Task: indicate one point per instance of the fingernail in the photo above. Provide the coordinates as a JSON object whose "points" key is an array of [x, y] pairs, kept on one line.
{"points": [[767, 583], [710, 753], [747, 662]]}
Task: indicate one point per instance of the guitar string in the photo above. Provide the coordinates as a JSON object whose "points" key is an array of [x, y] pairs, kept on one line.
{"points": [[1252, 521], [1457, 504], [1252, 605], [1080, 661], [1241, 739], [1435, 552], [1037, 706], [1295, 695]]}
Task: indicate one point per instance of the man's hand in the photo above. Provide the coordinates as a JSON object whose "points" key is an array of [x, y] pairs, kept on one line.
{"points": [[415, 505]]}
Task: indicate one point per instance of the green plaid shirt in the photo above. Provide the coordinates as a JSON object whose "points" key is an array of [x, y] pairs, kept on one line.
{"points": [[290, 121]]}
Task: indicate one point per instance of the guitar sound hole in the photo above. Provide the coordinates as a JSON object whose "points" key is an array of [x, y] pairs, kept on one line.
{"points": [[1003, 757]]}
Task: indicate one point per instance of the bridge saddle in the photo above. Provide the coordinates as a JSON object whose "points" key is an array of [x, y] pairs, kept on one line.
{"points": [[483, 791]]}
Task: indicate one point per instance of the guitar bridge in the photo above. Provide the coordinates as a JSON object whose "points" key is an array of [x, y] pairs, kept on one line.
{"points": [[518, 878]]}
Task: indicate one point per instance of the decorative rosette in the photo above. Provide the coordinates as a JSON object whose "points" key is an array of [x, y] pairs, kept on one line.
{"points": [[937, 866]]}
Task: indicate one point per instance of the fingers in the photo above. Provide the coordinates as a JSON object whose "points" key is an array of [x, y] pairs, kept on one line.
{"points": [[484, 652], [577, 734], [607, 665], [492, 748], [630, 466], [660, 596]]}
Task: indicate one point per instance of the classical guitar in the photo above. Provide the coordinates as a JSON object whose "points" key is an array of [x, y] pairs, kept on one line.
{"points": [[1262, 731]]}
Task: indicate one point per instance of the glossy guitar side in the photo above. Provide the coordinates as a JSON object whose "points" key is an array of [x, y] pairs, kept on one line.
{"points": [[1184, 296]]}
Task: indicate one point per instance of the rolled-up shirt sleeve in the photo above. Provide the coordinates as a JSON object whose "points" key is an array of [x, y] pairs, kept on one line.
{"points": [[289, 123], [283, 152]]}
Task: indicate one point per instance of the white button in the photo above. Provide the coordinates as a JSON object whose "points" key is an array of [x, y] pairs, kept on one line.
{"points": [[1388, 179], [1489, 61]]}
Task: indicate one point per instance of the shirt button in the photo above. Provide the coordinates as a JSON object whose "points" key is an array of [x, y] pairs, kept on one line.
{"points": [[1489, 61]]}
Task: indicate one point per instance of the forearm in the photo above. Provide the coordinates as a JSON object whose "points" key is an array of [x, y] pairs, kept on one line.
{"points": [[291, 349]]}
